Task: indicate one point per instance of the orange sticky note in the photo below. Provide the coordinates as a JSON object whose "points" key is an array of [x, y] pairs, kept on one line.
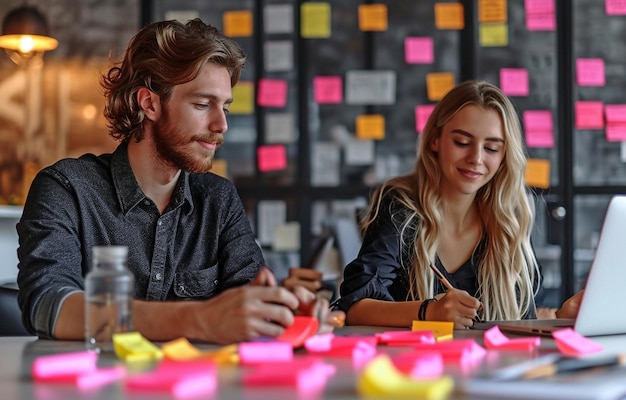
{"points": [[422, 113], [272, 158], [537, 173], [419, 50], [243, 98], [449, 16], [514, 81], [238, 23], [328, 89], [272, 93], [373, 17], [370, 126], [492, 11], [493, 35], [315, 20], [438, 84]]}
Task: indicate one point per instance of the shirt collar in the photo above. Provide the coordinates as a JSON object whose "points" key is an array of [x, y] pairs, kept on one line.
{"points": [[129, 194]]}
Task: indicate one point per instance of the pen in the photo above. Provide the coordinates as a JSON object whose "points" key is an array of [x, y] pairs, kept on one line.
{"points": [[571, 364], [445, 282]]}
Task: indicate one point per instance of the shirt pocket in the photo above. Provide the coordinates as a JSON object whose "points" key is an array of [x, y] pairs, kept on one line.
{"points": [[196, 284]]}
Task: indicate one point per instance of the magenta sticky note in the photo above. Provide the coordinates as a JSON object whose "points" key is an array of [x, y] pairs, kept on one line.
{"points": [[455, 351], [100, 377], [616, 133], [494, 339], [572, 343], [178, 378], [590, 72], [545, 21], [272, 92], [615, 7], [272, 158], [419, 50], [328, 89], [64, 365], [589, 114], [265, 352], [419, 365], [304, 374], [535, 6], [615, 114], [404, 338], [514, 81], [539, 128], [422, 113]]}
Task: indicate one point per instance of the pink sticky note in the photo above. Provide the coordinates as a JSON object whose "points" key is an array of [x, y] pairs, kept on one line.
{"points": [[405, 338], [494, 339], [265, 352], [535, 6], [514, 81], [454, 351], [422, 113], [64, 365], [589, 115], [572, 343], [419, 50], [616, 133], [272, 93], [272, 158], [615, 7], [180, 379], [304, 374], [540, 15], [100, 377], [341, 346], [539, 128], [419, 365], [590, 72], [615, 113], [328, 89]]}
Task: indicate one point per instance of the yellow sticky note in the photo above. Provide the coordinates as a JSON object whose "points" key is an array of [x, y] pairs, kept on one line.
{"points": [[373, 17], [537, 173], [438, 84], [493, 35], [370, 126], [442, 330], [220, 167], [238, 23], [492, 11], [133, 347], [449, 16], [315, 20], [243, 98], [381, 378], [180, 350]]}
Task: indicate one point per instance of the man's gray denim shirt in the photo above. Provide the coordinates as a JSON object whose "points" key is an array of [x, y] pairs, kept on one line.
{"points": [[201, 245]]}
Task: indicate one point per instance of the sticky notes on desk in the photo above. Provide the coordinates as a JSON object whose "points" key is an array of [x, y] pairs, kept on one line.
{"points": [[181, 350], [573, 343], [494, 339], [405, 338], [380, 378], [419, 365], [459, 351], [441, 330], [303, 327], [261, 352], [133, 347], [360, 348], [179, 379], [305, 374]]}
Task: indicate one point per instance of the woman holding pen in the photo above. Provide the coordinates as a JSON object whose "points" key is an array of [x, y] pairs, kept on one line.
{"points": [[465, 210]]}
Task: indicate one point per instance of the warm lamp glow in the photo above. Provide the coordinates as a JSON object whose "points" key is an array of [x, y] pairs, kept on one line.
{"points": [[25, 30], [28, 43]]}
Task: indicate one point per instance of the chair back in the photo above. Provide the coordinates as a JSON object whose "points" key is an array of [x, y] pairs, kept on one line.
{"points": [[10, 314]]}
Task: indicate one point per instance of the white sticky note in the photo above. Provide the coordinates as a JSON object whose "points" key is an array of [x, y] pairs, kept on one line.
{"points": [[359, 152], [371, 87], [287, 237], [271, 213], [280, 128], [278, 18], [325, 157], [278, 55], [240, 134]]}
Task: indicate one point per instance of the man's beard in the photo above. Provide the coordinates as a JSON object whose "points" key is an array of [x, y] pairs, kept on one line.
{"points": [[173, 146]]}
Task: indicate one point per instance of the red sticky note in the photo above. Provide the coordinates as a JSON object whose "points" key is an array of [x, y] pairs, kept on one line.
{"points": [[328, 89], [572, 343], [588, 115], [419, 50], [272, 158], [494, 339], [590, 72], [514, 81], [303, 327], [272, 92], [422, 113]]}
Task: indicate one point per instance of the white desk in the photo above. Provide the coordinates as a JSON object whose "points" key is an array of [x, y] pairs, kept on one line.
{"points": [[17, 355]]}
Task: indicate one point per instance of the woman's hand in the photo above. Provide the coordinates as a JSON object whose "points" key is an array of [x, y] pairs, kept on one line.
{"points": [[570, 307], [456, 306]]}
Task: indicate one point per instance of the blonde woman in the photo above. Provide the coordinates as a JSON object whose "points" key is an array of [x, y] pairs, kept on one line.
{"points": [[465, 210]]}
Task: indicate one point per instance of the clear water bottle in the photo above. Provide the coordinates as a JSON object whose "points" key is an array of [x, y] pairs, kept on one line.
{"points": [[109, 289]]}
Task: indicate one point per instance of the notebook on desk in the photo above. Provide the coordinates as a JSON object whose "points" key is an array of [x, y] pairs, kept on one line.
{"points": [[605, 290]]}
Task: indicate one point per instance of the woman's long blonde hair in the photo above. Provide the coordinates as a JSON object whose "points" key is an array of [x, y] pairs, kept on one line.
{"points": [[507, 267]]}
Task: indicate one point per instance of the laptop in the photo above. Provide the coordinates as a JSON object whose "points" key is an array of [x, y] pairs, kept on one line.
{"points": [[605, 290]]}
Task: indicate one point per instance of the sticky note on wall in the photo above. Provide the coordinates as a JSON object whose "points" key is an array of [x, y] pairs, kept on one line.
{"points": [[243, 98], [419, 50], [315, 20], [449, 16], [590, 72], [492, 11], [537, 173], [328, 89], [238, 23], [272, 158], [370, 126], [514, 81], [272, 93], [589, 115], [422, 113], [373, 17], [438, 84]]}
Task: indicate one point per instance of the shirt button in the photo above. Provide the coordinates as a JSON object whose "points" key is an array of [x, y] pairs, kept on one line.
{"points": [[181, 288], [215, 282], [157, 276], [160, 223], [146, 202]]}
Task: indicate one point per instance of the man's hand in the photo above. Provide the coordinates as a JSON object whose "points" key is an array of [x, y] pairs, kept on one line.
{"points": [[307, 278]]}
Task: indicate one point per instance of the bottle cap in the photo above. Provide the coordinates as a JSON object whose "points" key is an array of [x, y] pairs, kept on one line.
{"points": [[110, 253]]}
